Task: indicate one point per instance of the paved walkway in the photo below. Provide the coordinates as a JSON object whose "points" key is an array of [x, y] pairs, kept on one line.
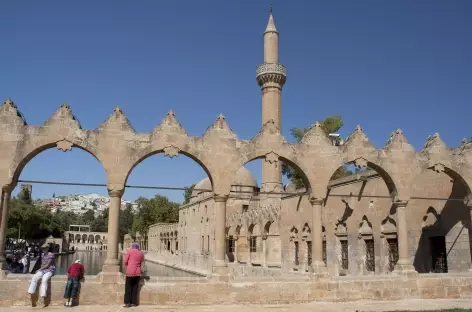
{"points": [[412, 305]]}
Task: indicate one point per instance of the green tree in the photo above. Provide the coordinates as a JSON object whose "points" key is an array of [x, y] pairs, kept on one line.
{"points": [[27, 221], [88, 217], [188, 194], [100, 223], [154, 210], [330, 125], [25, 196], [126, 221]]}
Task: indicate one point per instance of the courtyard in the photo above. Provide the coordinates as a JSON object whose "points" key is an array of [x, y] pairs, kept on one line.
{"points": [[319, 306]]}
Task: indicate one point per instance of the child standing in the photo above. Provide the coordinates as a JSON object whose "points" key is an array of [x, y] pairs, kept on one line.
{"points": [[75, 273]]}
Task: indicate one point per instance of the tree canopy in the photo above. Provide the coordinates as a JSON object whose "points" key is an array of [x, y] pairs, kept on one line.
{"points": [[331, 124], [154, 210], [188, 194], [29, 221]]}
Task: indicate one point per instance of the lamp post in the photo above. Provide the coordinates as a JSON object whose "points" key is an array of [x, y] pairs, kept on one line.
{"points": [[335, 139]]}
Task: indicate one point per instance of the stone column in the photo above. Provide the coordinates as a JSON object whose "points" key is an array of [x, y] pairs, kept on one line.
{"points": [[302, 255], [249, 252], [264, 251], [220, 231], [112, 263], [318, 266], [468, 203], [235, 242], [5, 201], [404, 264]]}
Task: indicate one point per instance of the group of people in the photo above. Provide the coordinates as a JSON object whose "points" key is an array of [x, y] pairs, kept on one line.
{"points": [[133, 260], [19, 264]]}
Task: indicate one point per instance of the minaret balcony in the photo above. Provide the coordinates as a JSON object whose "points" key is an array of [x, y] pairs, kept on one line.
{"points": [[271, 74]]}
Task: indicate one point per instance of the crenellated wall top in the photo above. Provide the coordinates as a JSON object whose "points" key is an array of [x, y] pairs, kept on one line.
{"points": [[119, 148]]}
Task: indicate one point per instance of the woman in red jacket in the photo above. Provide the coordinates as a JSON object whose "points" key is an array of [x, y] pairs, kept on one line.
{"points": [[134, 258]]}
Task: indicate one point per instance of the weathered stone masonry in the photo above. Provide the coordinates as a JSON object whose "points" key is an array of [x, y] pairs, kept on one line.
{"points": [[119, 148]]}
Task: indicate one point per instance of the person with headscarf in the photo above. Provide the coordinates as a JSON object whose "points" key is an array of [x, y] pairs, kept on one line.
{"points": [[26, 261], [134, 260], [44, 273], [75, 273]]}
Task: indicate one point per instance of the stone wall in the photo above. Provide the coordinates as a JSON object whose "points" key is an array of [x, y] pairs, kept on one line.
{"points": [[357, 208], [178, 291], [362, 205]]}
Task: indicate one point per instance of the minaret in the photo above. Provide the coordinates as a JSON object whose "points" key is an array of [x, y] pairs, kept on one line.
{"points": [[271, 77]]}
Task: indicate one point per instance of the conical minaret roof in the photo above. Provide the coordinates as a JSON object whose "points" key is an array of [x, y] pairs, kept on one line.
{"points": [[271, 24]]}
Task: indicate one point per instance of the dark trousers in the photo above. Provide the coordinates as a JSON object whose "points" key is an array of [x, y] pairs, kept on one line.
{"points": [[131, 289], [72, 288]]}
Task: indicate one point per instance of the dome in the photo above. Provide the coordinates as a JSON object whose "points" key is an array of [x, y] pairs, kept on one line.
{"points": [[204, 184], [244, 177]]}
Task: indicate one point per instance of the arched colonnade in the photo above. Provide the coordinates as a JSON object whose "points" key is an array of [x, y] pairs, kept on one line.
{"points": [[119, 148]]}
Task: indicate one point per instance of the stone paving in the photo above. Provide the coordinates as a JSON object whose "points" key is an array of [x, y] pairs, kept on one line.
{"points": [[412, 305]]}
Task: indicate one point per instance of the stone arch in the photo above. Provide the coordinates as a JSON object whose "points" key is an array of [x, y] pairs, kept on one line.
{"points": [[267, 227], [454, 175], [274, 156], [388, 226], [39, 148], [254, 229], [431, 220], [293, 233], [97, 238], [365, 227], [237, 230], [91, 239], [366, 162], [84, 238], [148, 152], [78, 238], [340, 229], [306, 231], [71, 238]]}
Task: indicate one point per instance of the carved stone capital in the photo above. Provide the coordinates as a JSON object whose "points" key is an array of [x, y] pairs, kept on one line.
{"points": [[316, 201], [8, 188], [116, 192], [220, 198], [264, 236], [401, 204]]}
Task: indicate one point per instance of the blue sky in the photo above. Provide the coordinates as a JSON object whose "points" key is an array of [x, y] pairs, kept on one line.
{"points": [[381, 64]]}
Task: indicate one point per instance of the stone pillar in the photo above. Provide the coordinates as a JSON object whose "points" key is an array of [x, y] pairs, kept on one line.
{"points": [[318, 266], [302, 255], [264, 251], [112, 263], [468, 203], [220, 231], [5, 201], [250, 256], [404, 264], [235, 242]]}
